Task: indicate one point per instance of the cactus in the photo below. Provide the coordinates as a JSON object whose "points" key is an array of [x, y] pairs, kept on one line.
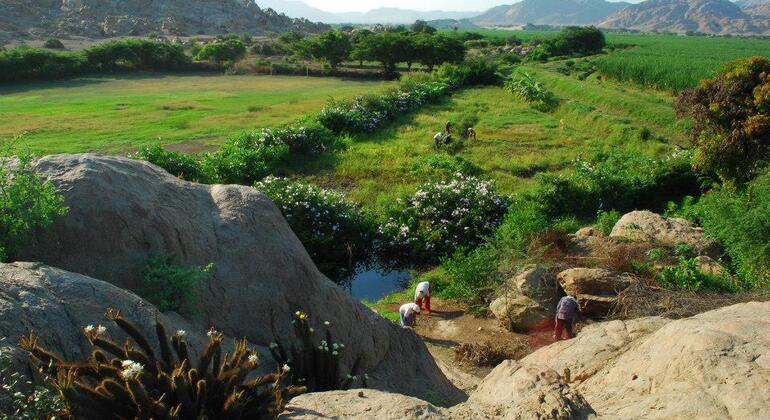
{"points": [[132, 381], [315, 365]]}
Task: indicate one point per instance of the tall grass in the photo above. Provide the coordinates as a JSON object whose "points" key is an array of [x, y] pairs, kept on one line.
{"points": [[671, 62]]}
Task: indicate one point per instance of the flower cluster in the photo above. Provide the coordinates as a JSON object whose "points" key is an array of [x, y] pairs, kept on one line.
{"points": [[337, 233], [364, 114], [131, 369], [306, 137], [440, 218]]}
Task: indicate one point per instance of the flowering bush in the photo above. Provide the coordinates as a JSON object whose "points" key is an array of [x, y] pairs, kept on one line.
{"points": [[440, 218], [364, 114], [179, 164], [336, 233], [307, 137], [243, 160]]}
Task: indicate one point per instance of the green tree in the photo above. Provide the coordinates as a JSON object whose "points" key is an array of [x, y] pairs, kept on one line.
{"points": [[227, 50], [387, 48], [422, 26], [433, 50], [731, 115], [332, 47]]}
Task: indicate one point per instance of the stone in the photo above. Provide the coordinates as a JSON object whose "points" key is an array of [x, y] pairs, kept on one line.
{"points": [[528, 300], [350, 405], [708, 265], [596, 289], [123, 211], [646, 226], [588, 232]]}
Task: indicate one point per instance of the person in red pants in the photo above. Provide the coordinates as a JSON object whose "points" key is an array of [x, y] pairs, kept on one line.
{"points": [[422, 295], [566, 311]]}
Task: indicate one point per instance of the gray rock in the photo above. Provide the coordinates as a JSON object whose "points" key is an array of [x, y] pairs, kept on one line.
{"points": [[646, 226], [596, 289], [123, 211], [527, 300]]}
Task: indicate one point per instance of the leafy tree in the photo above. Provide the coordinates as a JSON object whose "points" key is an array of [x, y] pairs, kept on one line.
{"points": [[387, 48], [433, 50], [422, 26], [332, 47], [53, 44], [731, 114], [228, 50], [573, 40]]}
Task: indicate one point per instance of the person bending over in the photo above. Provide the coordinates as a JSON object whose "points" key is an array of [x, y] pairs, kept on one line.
{"points": [[566, 311]]}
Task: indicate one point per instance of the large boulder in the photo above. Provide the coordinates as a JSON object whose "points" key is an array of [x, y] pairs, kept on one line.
{"points": [[124, 211], [57, 304], [528, 300], [596, 289], [360, 404], [646, 226]]}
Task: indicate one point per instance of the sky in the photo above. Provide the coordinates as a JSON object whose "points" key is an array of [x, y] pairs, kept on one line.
{"points": [[446, 5]]}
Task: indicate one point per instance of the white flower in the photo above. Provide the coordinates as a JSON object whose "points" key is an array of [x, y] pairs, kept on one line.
{"points": [[101, 329], [327, 323], [285, 369], [88, 328], [181, 333], [131, 369], [312, 330], [253, 359], [334, 353], [273, 345]]}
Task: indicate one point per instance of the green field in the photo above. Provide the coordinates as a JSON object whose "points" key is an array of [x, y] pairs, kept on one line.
{"points": [[119, 114], [515, 141]]}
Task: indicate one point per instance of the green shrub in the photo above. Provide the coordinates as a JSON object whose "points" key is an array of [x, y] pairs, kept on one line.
{"points": [[477, 71], [53, 44], [533, 91], [740, 220], [24, 63], [687, 275], [243, 160], [442, 167], [220, 51], [179, 164], [172, 287], [26, 203], [469, 273], [336, 233], [606, 220], [20, 398]]}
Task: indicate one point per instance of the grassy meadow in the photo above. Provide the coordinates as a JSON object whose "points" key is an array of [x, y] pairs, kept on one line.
{"points": [[189, 112]]}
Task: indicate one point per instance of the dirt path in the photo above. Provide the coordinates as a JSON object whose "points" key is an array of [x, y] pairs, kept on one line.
{"points": [[450, 325]]}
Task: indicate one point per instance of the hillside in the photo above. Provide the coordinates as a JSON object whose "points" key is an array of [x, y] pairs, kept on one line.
{"points": [[109, 18], [756, 7], [549, 12], [392, 15], [680, 16]]}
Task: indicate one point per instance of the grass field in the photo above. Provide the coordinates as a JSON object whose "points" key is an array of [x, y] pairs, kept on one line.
{"points": [[119, 114], [515, 141]]}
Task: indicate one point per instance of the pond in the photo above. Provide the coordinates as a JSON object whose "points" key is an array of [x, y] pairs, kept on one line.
{"points": [[375, 283]]}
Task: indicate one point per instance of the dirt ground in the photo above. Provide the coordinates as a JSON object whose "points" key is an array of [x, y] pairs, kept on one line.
{"points": [[450, 325]]}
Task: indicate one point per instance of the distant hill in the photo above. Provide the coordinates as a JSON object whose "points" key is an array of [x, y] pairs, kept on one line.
{"points": [[756, 7], [108, 18], [463, 24], [549, 12], [295, 8], [680, 16]]}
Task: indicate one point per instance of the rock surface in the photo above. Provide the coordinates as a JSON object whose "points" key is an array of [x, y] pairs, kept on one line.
{"points": [[360, 404], [528, 299], [646, 226], [123, 211], [109, 18], [57, 304], [596, 289]]}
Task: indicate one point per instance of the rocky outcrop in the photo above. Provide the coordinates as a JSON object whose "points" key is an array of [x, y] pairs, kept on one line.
{"points": [[528, 299], [706, 16], [596, 289], [360, 404], [549, 12], [57, 304], [646, 226], [109, 18], [123, 211], [713, 365]]}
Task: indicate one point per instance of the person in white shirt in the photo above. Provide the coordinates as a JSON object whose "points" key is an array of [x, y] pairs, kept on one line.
{"points": [[408, 314], [422, 295]]}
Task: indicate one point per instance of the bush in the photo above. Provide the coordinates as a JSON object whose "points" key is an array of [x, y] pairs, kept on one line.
{"points": [[572, 40], [687, 275], [226, 50], [336, 233], [307, 137], [441, 217], [132, 381], [179, 164], [25, 63], [53, 44], [26, 204], [533, 91], [469, 273], [442, 167], [243, 159], [741, 222], [606, 220], [22, 399], [171, 287], [472, 72], [619, 180], [731, 113]]}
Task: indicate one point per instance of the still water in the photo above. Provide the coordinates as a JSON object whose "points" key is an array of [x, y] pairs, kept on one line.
{"points": [[377, 282]]}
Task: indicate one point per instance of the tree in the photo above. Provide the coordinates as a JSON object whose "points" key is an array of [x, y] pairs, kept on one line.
{"points": [[333, 47], [229, 50], [422, 26], [731, 115], [575, 40], [387, 48], [432, 50]]}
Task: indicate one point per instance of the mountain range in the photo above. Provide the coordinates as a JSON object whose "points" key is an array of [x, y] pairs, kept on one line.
{"points": [[108, 18], [549, 12], [719, 17], [384, 15]]}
